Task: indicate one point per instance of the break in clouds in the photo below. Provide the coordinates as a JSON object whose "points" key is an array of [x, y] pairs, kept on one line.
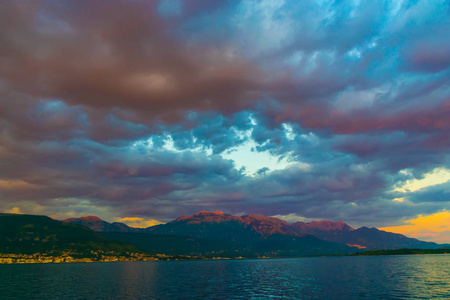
{"points": [[155, 109]]}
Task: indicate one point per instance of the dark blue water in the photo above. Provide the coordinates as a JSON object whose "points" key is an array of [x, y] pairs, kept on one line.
{"points": [[375, 277]]}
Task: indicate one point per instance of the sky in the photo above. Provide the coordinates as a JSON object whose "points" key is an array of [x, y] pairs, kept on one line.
{"points": [[143, 111]]}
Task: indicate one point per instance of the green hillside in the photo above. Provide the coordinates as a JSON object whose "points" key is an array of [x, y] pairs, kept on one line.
{"points": [[28, 234]]}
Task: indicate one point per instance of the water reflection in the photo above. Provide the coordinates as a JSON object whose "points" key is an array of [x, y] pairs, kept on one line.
{"points": [[378, 277]]}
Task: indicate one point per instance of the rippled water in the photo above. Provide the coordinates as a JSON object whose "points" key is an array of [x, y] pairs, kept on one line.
{"points": [[375, 277]]}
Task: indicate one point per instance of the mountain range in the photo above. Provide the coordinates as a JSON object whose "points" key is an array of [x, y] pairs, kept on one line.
{"points": [[216, 232], [204, 234]]}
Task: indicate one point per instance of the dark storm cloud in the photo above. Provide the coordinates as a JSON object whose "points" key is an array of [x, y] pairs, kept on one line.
{"points": [[117, 54], [128, 106]]}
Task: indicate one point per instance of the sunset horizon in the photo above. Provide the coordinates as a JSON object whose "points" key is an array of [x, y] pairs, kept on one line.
{"points": [[217, 149], [432, 228]]}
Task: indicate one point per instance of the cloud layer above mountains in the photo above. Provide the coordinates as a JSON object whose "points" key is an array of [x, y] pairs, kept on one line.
{"points": [[155, 109]]}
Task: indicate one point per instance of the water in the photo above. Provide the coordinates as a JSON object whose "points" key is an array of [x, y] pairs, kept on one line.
{"points": [[374, 277]]}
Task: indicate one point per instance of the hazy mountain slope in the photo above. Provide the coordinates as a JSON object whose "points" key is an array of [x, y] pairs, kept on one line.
{"points": [[369, 238], [375, 239]]}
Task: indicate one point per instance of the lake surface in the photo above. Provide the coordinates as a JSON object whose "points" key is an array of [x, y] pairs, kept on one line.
{"points": [[371, 277]]}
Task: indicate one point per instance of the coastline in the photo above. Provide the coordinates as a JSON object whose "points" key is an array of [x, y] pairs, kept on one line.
{"points": [[38, 258], [32, 259]]}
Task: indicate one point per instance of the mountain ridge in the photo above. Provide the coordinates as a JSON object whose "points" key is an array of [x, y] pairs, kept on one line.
{"points": [[219, 225], [204, 234]]}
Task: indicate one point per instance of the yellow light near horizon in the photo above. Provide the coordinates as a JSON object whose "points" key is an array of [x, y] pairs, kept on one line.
{"points": [[14, 210], [435, 227], [139, 222], [14, 184], [399, 199]]}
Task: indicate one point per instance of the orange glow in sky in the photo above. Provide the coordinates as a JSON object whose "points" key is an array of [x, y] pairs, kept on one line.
{"points": [[139, 222], [433, 228]]}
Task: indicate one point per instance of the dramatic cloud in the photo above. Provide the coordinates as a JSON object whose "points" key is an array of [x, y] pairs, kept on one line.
{"points": [[147, 110]]}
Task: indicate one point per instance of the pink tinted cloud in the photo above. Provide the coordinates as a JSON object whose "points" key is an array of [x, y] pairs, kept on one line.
{"points": [[321, 116], [120, 55]]}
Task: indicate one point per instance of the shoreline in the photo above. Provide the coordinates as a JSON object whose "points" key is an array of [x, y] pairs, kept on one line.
{"points": [[73, 257], [8, 259]]}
